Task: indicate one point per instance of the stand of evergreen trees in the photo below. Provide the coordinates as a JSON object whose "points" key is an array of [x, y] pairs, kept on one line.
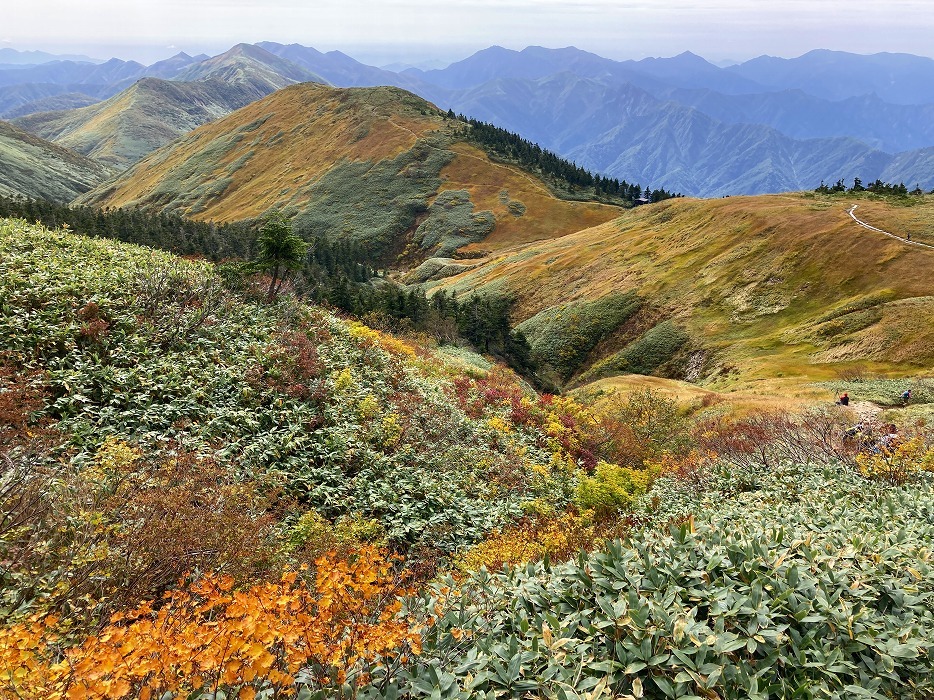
{"points": [[876, 187], [562, 173], [164, 231], [336, 272]]}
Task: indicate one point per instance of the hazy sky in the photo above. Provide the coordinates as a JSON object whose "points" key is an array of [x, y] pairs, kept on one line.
{"points": [[380, 31]]}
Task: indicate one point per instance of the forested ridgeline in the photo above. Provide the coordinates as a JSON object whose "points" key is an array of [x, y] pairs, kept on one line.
{"points": [[875, 187], [565, 176]]}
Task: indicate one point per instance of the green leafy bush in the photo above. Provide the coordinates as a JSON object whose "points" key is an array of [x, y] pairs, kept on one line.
{"points": [[452, 223], [884, 392], [373, 204], [564, 335], [654, 348], [139, 345]]}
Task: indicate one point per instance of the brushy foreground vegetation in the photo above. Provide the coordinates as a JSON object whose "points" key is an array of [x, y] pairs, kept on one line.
{"points": [[206, 495], [798, 581]]}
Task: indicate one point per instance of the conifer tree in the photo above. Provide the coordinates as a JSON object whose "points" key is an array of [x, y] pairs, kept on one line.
{"points": [[279, 251]]}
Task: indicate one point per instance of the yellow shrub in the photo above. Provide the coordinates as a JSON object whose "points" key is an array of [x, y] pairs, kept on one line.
{"points": [[344, 379], [116, 455], [559, 538], [612, 488], [899, 464], [367, 408], [499, 425], [392, 430], [371, 336], [314, 534]]}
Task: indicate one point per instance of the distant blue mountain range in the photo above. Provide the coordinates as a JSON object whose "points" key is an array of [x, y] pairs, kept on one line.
{"points": [[682, 123]]}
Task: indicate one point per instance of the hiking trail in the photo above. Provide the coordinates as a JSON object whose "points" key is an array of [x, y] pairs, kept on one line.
{"points": [[879, 230]]}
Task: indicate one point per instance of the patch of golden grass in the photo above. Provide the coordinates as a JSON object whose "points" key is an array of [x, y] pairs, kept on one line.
{"points": [[747, 276], [889, 215], [546, 216], [764, 396]]}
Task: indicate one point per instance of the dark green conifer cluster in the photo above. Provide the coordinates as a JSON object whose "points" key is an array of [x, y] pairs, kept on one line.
{"points": [[876, 187], [560, 173]]}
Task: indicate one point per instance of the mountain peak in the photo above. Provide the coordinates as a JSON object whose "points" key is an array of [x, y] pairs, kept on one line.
{"points": [[691, 56]]}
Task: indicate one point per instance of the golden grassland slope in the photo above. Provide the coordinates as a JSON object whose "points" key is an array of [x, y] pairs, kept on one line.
{"points": [[273, 152], [779, 285], [494, 186], [292, 136]]}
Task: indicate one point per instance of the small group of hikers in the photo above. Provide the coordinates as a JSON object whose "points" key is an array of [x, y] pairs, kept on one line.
{"points": [[844, 399], [863, 437]]}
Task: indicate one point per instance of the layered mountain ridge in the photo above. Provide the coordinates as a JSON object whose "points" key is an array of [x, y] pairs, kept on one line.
{"points": [[680, 123]]}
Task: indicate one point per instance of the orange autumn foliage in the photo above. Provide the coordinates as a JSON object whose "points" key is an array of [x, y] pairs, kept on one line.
{"points": [[210, 637]]}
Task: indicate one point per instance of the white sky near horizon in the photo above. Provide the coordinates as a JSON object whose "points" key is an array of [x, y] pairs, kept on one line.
{"points": [[383, 31]]}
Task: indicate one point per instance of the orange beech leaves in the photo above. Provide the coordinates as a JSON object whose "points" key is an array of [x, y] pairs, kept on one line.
{"points": [[210, 636]]}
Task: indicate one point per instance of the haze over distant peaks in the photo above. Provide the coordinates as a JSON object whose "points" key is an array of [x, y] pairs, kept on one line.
{"points": [[251, 66], [836, 75], [13, 57], [679, 123]]}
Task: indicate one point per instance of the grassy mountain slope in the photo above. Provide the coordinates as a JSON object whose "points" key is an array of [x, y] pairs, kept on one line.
{"points": [[249, 66], [764, 287], [161, 428], [361, 163], [137, 345], [33, 167], [51, 103], [147, 115]]}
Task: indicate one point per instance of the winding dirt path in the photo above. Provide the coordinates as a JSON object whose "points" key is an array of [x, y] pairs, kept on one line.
{"points": [[886, 233]]}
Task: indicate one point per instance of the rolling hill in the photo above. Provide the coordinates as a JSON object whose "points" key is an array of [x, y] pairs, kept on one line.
{"points": [[782, 289], [147, 115], [375, 165], [33, 167]]}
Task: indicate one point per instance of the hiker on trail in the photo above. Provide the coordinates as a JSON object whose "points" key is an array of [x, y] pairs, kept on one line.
{"points": [[906, 397], [844, 399], [909, 238]]}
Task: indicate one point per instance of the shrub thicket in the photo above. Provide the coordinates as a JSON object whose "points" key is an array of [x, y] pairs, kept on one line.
{"points": [[814, 584]]}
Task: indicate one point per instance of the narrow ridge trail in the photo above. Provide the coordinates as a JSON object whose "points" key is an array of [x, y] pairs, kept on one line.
{"points": [[879, 230]]}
